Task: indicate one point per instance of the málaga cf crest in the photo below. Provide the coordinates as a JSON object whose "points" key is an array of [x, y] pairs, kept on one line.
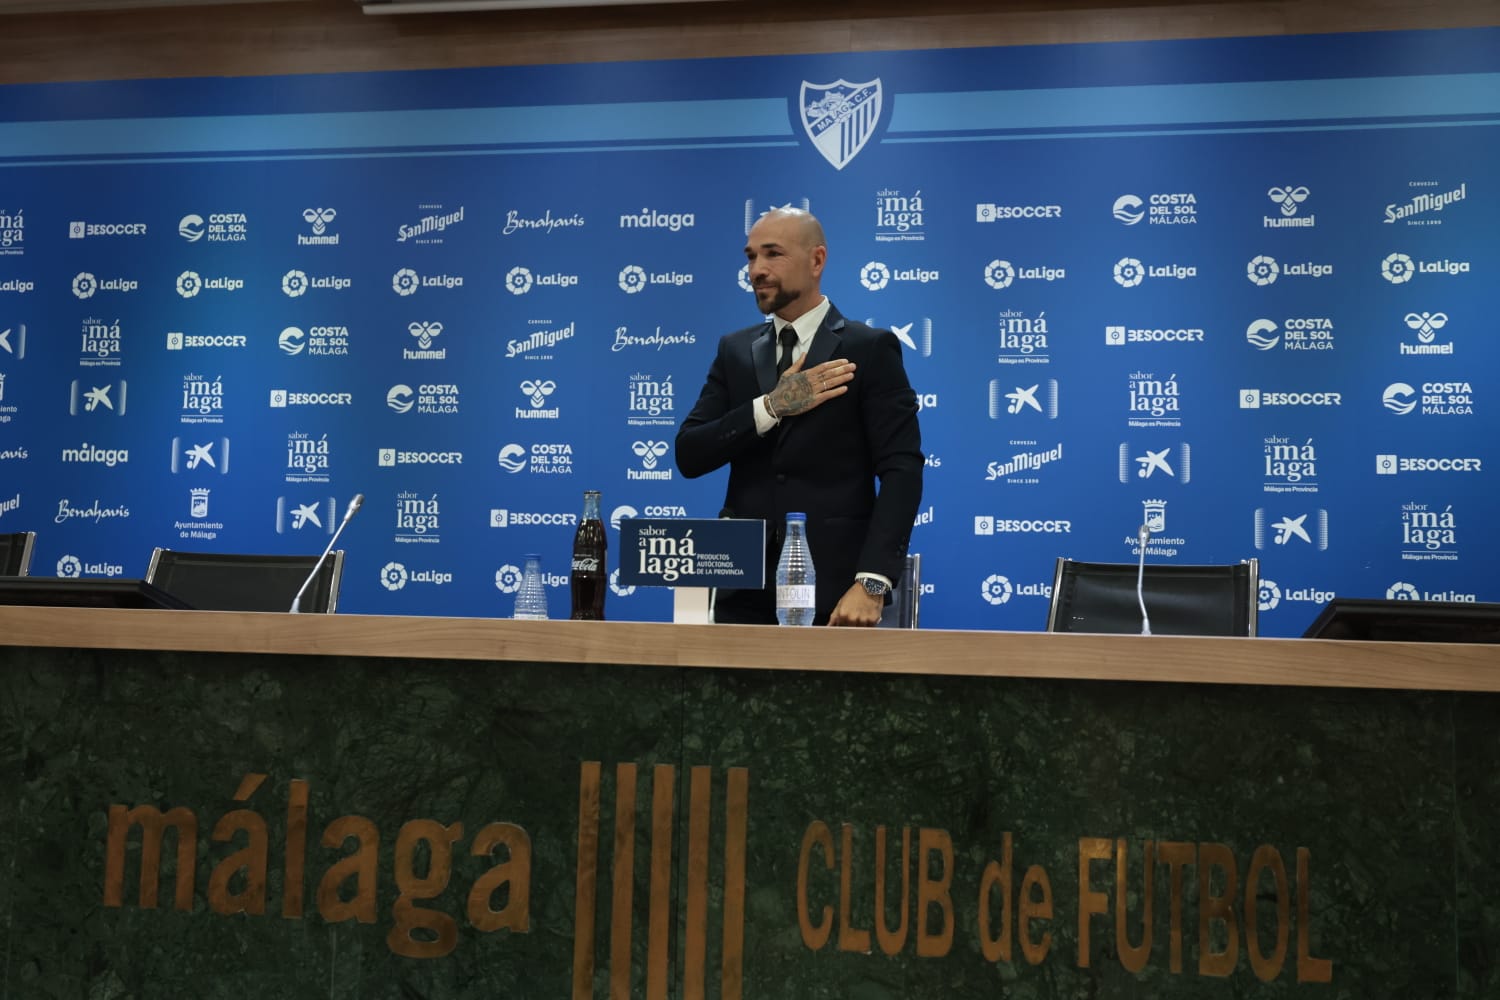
{"points": [[840, 117]]}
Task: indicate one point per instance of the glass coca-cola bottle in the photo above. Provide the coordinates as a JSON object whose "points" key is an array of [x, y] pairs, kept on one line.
{"points": [[590, 570]]}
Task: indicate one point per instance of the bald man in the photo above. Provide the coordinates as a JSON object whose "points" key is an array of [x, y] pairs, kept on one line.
{"points": [[834, 435]]}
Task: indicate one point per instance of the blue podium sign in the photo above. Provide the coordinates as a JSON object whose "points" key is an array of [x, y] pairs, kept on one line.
{"points": [[689, 552]]}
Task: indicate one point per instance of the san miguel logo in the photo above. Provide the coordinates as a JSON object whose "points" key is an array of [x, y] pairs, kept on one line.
{"points": [[840, 117]]}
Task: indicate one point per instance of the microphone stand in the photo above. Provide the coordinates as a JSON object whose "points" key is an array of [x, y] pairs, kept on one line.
{"points": [[1140, 579], [354, 505]]}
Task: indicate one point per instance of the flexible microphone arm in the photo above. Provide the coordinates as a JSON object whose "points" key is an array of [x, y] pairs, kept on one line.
{"points": [[1144, 535], [354, 505]]}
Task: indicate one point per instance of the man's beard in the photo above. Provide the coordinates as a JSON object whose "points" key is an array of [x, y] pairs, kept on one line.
{"points": [[780, 300]]}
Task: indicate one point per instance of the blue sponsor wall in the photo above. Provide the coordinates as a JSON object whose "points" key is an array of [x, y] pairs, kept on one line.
{"points": [[1240, 289]]}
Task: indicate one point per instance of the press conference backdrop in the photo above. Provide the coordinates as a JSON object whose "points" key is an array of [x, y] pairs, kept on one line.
{"points": [[1241, 290]]}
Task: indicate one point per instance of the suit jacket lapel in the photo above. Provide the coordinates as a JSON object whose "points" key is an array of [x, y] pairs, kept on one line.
{"points": [[763, 357]]}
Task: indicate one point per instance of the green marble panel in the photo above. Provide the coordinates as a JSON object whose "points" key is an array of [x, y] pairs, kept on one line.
{"points": [[1392, 795]]}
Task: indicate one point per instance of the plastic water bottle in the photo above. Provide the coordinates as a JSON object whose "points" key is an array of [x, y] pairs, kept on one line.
{"points": [[531, 599], [796, 581]]}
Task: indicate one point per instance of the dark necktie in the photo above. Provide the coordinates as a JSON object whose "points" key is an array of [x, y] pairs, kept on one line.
{"points": [[788, 339]]}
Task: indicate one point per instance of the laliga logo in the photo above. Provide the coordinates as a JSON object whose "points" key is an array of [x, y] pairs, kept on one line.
{"points": [[517, 280], [1400, 398], [1397, 268], [84, 285], [632, 279], [614, 585], [538, 392], [744, 279], [996, 589], [294, 283], [1269, 595], [648, 451], [189, 284], [319, 218], [1128, 209], [1129, 272], [1402, 592], [874, 275], [1288, 198], [399, 398], [1263, 270], [424, 332], [393, 576], [290, 340], [405, 281], [1426, 324], [69, 566], [999, 274], [508, 579]]}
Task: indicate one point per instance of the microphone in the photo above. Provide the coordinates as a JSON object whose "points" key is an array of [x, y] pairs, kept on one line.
{"points": [[1144, 536], [354, 506]]}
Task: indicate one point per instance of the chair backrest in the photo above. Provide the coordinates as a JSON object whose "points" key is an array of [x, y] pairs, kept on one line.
{"points": [[217, 581], [1180, 600], [15, 553], [904, 611]]}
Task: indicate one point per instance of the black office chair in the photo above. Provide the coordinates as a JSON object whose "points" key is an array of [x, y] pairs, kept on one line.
{"points": [[1180, 600], [904, 611], [15, 553], [216, 581]]}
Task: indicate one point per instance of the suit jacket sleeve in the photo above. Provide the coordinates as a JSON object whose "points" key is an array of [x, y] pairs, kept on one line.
{"points": [[895, 441], [720, 427]]}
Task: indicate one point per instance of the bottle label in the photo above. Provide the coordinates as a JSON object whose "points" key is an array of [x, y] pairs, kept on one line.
{"points": [[795, 595], [585, 564]]}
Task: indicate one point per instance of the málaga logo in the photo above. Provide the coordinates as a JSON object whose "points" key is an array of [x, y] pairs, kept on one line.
{"points": [[840, 117]]}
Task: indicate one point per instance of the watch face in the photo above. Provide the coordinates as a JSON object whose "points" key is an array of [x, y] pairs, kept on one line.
{"points": [[874, 587]]}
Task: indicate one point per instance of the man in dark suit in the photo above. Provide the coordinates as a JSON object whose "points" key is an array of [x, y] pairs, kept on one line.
{"points": [[814, 438]]}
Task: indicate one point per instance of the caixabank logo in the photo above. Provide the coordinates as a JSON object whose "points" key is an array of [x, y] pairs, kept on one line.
{"points": [[1008, 400], [1166, 462]]}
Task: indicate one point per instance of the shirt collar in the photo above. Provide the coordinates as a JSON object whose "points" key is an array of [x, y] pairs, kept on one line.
{"points": [[805, 325]]}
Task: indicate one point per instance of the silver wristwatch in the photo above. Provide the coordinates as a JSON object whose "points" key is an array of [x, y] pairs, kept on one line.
{"points": [[874, 587]]}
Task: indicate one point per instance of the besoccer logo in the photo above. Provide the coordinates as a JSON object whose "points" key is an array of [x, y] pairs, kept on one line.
{"points": [[393, 576], [517, 280], [1397, 268], [996, 589], [999, 274], [632, 279], [508, 579], [294, 283], [85, 285], [1269, 596], [874, 275], [1129, 272], [405, 281], [1263, 270], [189, 284], [69, 566]]}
